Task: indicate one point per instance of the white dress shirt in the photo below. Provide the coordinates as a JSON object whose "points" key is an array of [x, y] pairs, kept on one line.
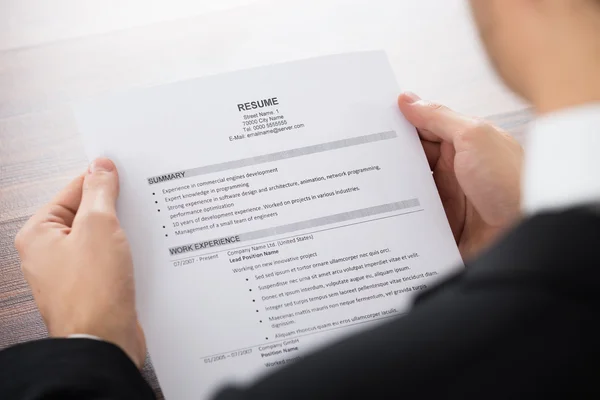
{"points": [[562, 160], [83, 336]]}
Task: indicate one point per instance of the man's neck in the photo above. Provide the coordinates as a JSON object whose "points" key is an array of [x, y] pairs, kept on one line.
{"points": [[565, 71], [565, 81], [567, 92]]}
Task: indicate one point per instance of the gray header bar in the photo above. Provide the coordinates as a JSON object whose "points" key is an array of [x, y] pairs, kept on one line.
{"points": [[283, 155], [297, 226]]}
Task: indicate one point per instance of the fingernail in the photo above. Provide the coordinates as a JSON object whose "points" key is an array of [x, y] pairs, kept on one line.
{"points": [[101, 165], [412, 98]]}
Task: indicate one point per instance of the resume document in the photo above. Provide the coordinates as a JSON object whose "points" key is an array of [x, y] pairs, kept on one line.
{"points": [[270, 212]]}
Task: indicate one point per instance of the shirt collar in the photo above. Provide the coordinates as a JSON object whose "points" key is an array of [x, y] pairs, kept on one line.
{"points": [[562, 162]]}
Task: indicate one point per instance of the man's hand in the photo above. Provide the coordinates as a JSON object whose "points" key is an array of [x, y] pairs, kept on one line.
{"points": [[77, 261], [477, 170]]}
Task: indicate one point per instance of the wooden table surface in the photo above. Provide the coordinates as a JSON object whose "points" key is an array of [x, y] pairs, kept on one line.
{"points": [[52, 53]]}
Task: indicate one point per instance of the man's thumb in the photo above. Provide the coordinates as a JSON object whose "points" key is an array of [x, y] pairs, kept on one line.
{"points": [[435, 122], [100, 188]]}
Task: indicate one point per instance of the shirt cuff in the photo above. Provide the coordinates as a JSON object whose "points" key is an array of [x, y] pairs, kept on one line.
{"points": [[83, 336]]}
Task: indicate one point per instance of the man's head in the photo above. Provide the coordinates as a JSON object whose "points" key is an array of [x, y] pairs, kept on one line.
{"points": [[548, 51]]}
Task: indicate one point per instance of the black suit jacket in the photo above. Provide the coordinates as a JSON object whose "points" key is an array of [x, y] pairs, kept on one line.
{"points": [[520, 322]]}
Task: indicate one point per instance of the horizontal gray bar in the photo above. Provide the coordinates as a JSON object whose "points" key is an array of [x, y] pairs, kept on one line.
{"points": [[330, 219], [297, 226], [282, 155]]}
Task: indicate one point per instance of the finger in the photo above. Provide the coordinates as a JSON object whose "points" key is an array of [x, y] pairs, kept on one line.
{"points": [[435, 122], [100, 189], [432, 151], [405, 101], [69, 199], [454, 201], [143, 349], [61, 209], [425, 135], [56, 216]]}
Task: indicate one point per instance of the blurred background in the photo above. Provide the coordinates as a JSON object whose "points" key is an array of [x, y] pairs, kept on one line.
{"points": [[54, 52]]}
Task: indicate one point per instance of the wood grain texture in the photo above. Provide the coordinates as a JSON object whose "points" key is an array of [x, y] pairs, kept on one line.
{"points": [[82, 18], [45, 63]]}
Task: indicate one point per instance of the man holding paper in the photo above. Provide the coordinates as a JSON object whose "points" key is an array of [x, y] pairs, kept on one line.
{"points": [[519, 321]]}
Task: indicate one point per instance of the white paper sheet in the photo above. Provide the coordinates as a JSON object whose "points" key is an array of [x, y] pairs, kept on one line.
{"points": [[270, 211]]}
